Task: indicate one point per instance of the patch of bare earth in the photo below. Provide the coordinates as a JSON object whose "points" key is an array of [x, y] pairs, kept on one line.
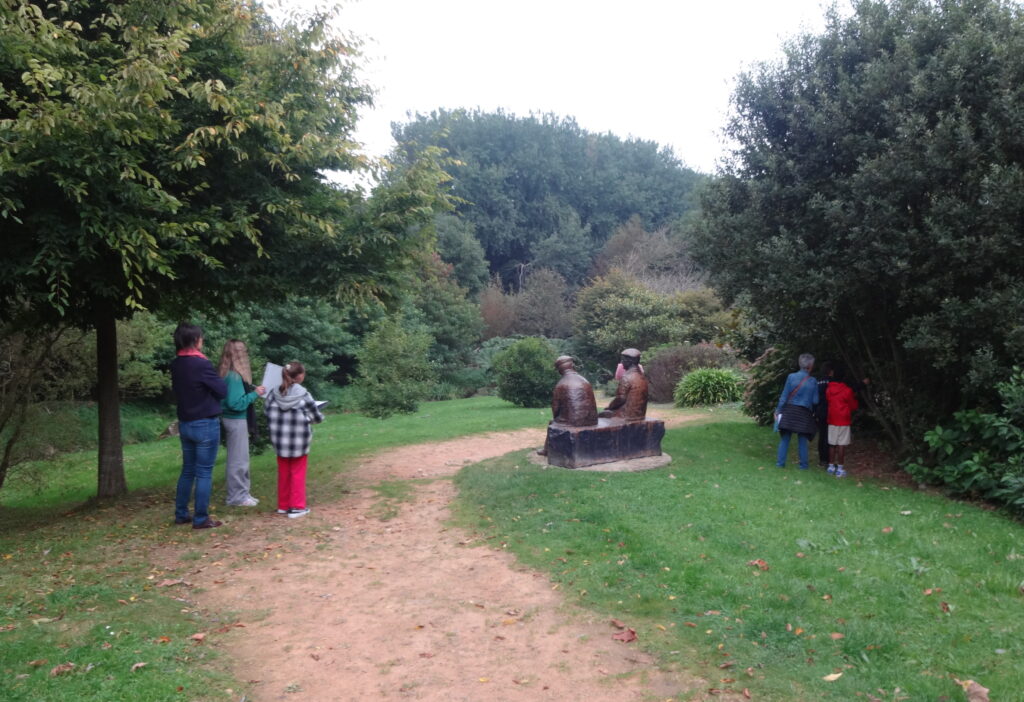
{"points": [[340, 605]]}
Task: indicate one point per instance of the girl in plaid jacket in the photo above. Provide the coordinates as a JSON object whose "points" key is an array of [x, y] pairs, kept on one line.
{"points": [[290, 412]]}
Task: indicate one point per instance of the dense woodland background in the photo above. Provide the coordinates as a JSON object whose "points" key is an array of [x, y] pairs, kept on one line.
{"points": [[164, 163]]}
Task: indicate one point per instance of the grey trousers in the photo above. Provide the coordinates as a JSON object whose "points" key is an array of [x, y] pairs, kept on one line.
{"points": [[236, 436]]}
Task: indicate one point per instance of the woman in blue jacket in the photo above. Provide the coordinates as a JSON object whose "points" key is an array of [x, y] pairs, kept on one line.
{"points": [[795, 411]]}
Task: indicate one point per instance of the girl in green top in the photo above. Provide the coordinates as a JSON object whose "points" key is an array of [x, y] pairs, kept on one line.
{"points": [[235, 369]]}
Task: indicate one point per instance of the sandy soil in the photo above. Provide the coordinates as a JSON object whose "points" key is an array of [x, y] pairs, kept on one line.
{"points": [[340, 605]]}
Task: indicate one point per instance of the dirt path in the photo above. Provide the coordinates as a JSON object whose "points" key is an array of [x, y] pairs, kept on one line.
{"points": [[340, 605]]}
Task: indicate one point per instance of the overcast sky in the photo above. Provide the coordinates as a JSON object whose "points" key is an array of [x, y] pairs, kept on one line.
{"points": [[659, 70]]}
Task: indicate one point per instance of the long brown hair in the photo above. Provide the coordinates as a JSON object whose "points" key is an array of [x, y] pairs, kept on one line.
{"points": [[291, 371], [235, 357]]}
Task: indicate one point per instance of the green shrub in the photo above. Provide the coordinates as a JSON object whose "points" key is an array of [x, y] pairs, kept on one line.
{"points": [[394, 373], [709, 386], [667, 364], [980, 454], [766, 378], [526, 372]]}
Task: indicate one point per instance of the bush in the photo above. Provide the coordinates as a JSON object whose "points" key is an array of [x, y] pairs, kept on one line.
{"points": [[526, 372], [709, 386], [980, 454], [667, 364], [394, 374], [767, 375]]}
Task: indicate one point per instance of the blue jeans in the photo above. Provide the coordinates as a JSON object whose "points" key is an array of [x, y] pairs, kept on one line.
{"points": [[802, 442], [200, 440]]}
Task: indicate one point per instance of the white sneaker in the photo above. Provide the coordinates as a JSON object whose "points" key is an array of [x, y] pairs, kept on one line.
{"points": [[245, 502], [282, 511], [840, 473], [831, 469], [296, 513]]}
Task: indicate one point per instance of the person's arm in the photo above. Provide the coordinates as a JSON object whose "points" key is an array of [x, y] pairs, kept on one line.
{"points": [[238, 400], [213, 382], [312, 411], [783, 395]]}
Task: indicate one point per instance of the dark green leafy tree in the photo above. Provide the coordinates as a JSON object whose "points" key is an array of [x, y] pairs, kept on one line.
{"points": [[459, 248], [170, 156], [522, 180], [873, 203]]}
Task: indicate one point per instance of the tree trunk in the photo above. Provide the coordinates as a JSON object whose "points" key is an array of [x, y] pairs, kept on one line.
{"points": [[110, 479]]}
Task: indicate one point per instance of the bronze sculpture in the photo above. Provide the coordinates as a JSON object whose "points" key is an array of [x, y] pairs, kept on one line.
{"points": [[572, 402], [630, 402]]}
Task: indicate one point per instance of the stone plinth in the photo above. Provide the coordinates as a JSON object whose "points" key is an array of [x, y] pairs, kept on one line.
{"points": [[610, 440]]}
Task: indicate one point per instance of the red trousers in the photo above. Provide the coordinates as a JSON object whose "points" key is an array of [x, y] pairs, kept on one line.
{"points": [[291, 482]]}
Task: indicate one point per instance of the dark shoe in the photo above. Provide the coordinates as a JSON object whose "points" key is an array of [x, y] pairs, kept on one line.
{"points": [[208, 524], [183, 520]]}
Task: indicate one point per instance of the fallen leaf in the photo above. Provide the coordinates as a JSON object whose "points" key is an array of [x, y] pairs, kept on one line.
{"points": [[887, 530], [727, 664], [836, 636], [38, 662], [975, 692], [746, 692], [831, 677], [136, 666], [61, 669], [800, 554], [945, 607], [169, 583], [198, 637], [485, 679], [626, 636], [164, 639], [426, 655], [618, 624], [690, 624], [759, 563]]}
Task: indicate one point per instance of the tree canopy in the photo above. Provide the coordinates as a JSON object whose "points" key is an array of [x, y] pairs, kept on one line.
{"points": [[872, 206], [172, 156], [540, 191]]}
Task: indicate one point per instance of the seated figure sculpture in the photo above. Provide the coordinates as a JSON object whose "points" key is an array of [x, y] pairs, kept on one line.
{"points": [[630, 402], [579, 436], [572, 402]]}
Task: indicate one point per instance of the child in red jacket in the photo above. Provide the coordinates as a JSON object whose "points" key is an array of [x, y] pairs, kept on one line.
{"points": [[841, 404]]}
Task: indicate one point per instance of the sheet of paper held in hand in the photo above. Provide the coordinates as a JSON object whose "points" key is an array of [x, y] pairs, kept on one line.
{"points": [[272, 376]]}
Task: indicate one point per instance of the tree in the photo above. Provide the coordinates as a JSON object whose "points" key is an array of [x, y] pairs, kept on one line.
{"points": [[458, 247], [522, 180], [170, 156], [873, 206], [617, 312], [394, 371]]}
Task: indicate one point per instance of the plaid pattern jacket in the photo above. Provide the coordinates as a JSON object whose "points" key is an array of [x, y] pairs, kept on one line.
{"points": [[290, 430]]}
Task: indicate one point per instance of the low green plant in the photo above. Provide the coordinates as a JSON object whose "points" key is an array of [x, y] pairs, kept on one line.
{"points": [[394, 372], [526, 373], [980, 454], [666, 365], [709, 386]]}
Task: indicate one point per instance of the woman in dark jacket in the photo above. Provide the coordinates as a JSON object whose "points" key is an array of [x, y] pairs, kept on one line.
{"points": [[199, 391], [796, 407]]}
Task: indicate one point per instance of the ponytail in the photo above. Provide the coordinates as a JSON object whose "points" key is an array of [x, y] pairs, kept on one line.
{"points": [[289, 373]]}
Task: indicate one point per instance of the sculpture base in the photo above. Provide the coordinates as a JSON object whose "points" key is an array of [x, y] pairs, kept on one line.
{"points": [[611, 440]]}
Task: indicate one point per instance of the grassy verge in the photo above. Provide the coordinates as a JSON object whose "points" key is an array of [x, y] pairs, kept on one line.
{"points": [[792, 584], [78, 583]]}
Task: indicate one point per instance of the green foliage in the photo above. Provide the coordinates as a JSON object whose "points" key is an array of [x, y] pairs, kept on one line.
{"points": [[980, 454], [767, 376], [873, 201], [436, 305], [709, 386], [526, 372], [616, 312], [459, 248], [664, 366], [540, 190], [395, 374]]}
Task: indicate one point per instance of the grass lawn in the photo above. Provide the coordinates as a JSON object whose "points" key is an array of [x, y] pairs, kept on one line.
{"points": [[789, 583], [78, 585]]}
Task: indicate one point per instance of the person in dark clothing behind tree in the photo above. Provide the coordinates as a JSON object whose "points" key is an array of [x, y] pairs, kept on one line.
{"points": [[199, 391], [821, 412]]}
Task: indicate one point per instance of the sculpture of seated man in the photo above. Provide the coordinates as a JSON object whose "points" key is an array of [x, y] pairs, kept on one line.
{"points": [[630, 402], [572, 402]]}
